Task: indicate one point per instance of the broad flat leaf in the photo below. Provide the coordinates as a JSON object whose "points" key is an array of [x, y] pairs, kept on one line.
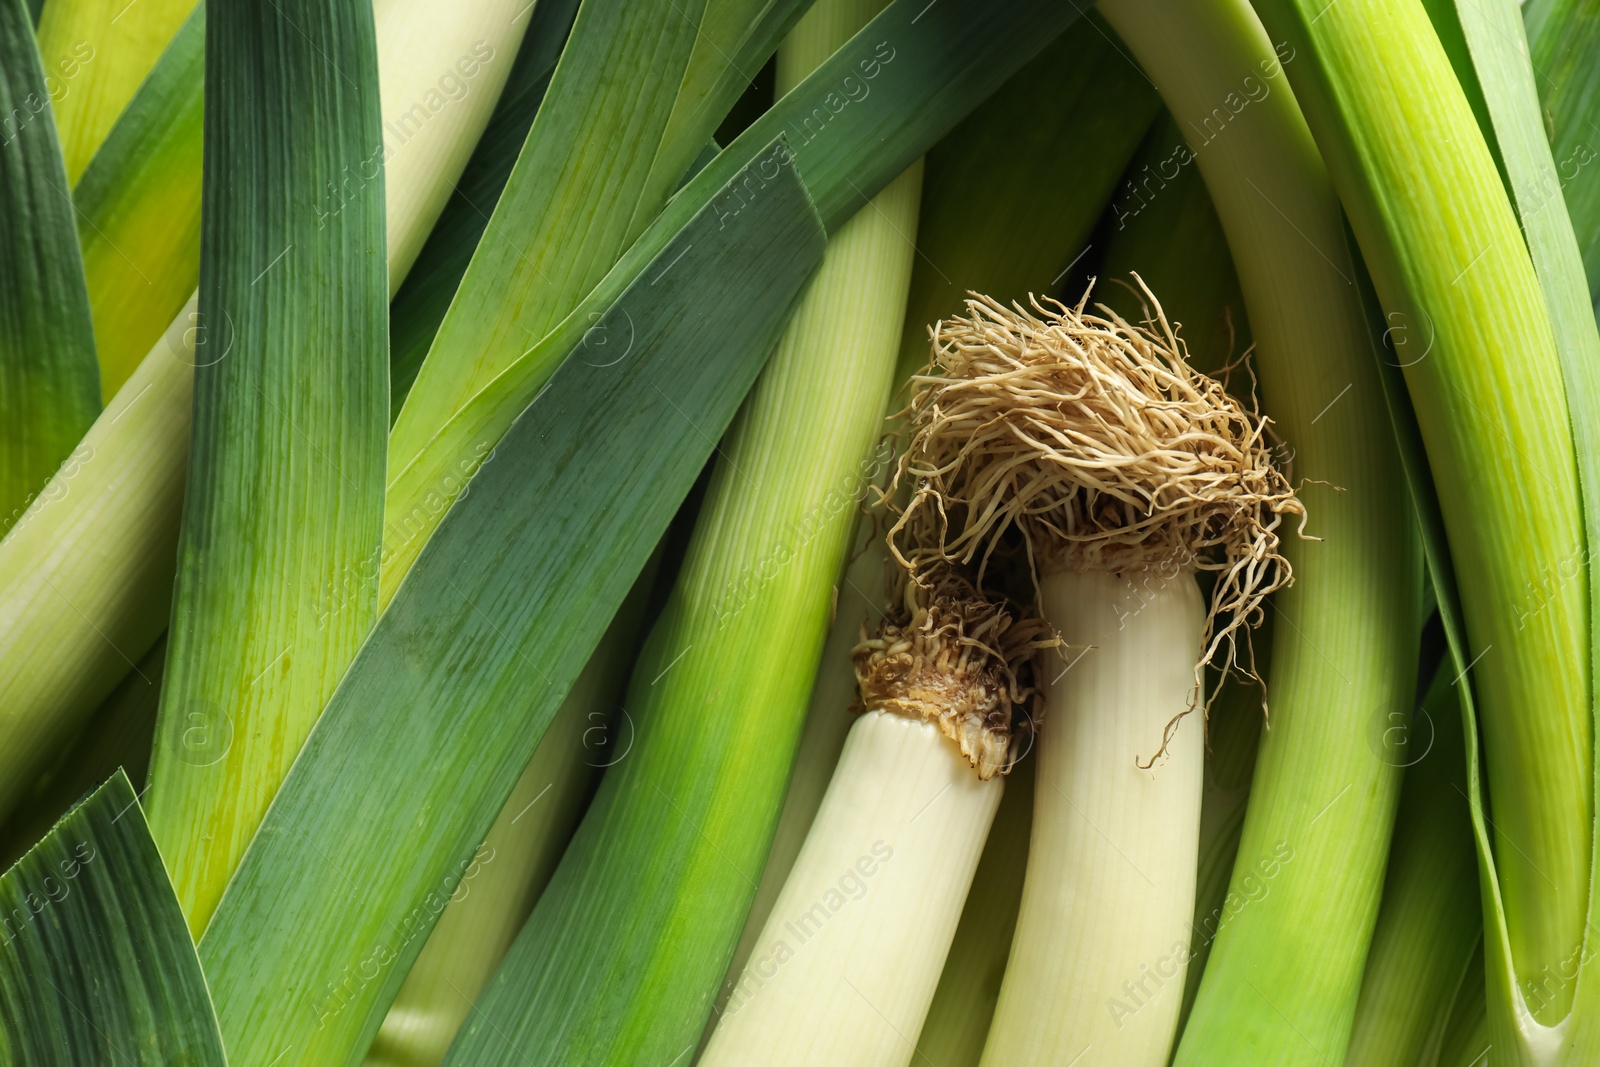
{"points": [[422, 300], [277, 577], [49, 383], [1442, 242], [348, 873], [571, 207], [139, 209], [100, 52], [97, 966]]}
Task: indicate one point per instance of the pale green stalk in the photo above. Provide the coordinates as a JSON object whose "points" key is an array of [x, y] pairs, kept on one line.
{"points": [[1165, 229], [1431, 923], [1101, 943], [969, 986], [1494, 398], [1278, 988], [851, 954]]}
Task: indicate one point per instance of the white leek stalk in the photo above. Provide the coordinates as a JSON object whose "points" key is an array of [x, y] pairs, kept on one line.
{"points": [[847, 964], [1087, 452], [86, 572], [1103, 933], [848, 961]]}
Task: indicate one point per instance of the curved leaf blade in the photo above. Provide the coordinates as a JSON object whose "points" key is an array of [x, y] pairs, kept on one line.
{"points": [[96, 964], [49, 381]]}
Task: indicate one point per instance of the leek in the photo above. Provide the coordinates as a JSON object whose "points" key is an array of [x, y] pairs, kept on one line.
{"points": [[79, 608], [1165, 229], [49, 383], [1276, 988], [98, 53], [1563, 43], [97, 966], [963, 1006], [517, 856], [848, 963], [755, 590], [1078, 90], [1493, 411], [1126, 473], [138, 206]]}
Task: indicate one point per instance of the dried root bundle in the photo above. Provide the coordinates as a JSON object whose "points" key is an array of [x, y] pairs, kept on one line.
{"points": [[951, 655], [1097, 442]]}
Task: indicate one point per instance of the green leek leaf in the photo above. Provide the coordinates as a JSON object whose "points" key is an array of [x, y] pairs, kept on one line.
{"points": [[97, 965], [420, 304], [277, 576], [49, 382], [1564, 48], [1499, 49], [567, 212], [139, 209], [97, 53]]}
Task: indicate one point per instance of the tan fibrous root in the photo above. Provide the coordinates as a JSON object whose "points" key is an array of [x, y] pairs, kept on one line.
{"points": [[1098, 442], [965, 661]]}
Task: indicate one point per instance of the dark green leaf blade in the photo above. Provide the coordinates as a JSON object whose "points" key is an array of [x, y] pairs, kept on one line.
{"points": [[277, 555], [49, 380], [97, 965], [414, 755]]}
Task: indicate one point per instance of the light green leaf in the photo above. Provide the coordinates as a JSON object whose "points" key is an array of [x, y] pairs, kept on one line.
{"points": [[98, 53], [97, 966], [422, 300], [351, 867], [139, 209], [277, 577], [49, 384]]}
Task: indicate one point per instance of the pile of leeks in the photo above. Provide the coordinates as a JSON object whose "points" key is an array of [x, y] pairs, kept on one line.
{"points": [[504, 562]]}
